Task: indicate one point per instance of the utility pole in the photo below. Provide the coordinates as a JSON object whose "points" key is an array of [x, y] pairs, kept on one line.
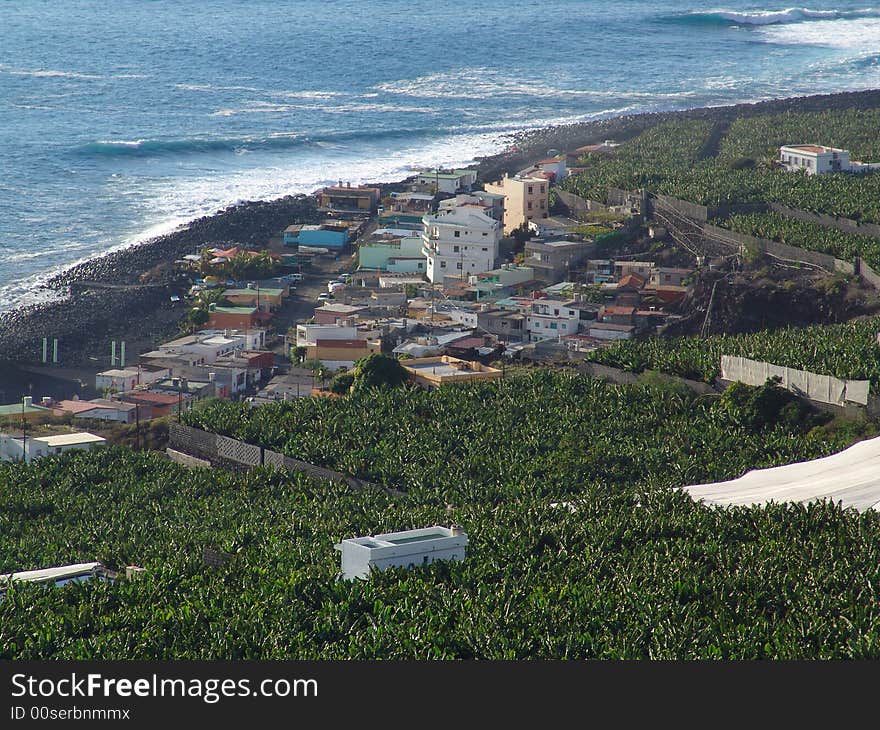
{"points": [[23, 432], [137, 428]]}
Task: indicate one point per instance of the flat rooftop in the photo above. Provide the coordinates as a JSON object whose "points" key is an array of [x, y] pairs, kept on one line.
{"points": [[70, 439], [816, 149], [59, 573], [407, 537]]}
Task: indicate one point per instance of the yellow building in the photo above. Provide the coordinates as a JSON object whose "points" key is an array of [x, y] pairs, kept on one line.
{"points": [[266, 300], [432, 372], [525, 199], [342, 353]]}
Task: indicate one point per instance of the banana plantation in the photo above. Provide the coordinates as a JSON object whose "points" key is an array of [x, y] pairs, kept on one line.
{"points": [[580, 547]]}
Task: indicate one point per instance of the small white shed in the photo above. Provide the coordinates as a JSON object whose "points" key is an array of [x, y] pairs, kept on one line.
{"points": [[408, 549]]}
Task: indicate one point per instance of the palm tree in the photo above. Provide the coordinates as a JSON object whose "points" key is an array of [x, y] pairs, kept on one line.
{"points": [[209, 296], [205, 262]]}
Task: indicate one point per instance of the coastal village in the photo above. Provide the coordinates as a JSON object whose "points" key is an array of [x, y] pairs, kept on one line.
{"points": [[456, 278], [640, 362]]}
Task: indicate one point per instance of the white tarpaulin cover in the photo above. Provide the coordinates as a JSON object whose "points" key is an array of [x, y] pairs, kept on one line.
{"points": [[851, 477], [821, 388]]}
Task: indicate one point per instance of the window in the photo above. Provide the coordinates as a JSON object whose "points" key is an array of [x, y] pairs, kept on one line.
{"points": [[485, 234], [455, 249], [542, 188], [442, 264], [542, 205], [556, 312], [420, 265], [458, 234], [530, 205], [458, 265], [485, 249], [553, 325], [531, 189]]}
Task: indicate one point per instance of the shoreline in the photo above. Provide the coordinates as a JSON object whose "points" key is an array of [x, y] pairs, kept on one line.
{"points": [[85, 322]]}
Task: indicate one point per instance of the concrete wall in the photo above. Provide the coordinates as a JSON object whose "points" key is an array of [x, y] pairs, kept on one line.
{"points": [[815, 387], [841, 224], [216, 449], [780, 250], [867, 273], [622, 377]]}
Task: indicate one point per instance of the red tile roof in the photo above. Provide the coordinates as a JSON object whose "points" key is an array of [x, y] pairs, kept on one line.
{"points": [[633, 280], [78, 406]]}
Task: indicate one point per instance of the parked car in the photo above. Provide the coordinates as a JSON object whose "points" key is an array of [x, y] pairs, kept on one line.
{"points": [[323, 296]]}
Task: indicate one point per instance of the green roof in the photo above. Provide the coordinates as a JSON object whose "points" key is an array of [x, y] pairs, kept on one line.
{"points": [[262, 290], [234, 310], [15, 409]]}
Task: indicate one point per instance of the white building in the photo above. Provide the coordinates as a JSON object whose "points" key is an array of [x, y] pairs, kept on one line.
{"points": [[254, 339], [307, 335], [16, 448], [550, 319], [814, 159], [463, 313], [408, 549], [448, 181], [459, 243], [203, 348], [492, 204], [126, 379]]}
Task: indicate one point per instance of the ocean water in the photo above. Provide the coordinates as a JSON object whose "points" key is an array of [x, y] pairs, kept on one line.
{"points": [[122, 120]]}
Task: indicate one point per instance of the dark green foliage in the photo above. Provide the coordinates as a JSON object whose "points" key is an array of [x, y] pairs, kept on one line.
{"points": [[769, 405], [541, 433], [665, 159], [848, 351], [341, 383], [378, 371], [810, 236], [632, 570]]}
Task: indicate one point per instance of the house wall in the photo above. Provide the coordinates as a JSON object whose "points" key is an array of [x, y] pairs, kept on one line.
{"points": [[525, 199], [107, 414], [376, 255], [225, 320], [330, 239], [342, 354], [308, 335], [476, 242]]}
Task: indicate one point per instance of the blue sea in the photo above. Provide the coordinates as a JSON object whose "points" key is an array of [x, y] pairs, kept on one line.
{"points": [[120, 120]]}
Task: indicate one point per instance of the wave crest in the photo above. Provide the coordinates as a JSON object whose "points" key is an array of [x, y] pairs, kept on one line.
{"points": [[772, 17], [280, 140]]}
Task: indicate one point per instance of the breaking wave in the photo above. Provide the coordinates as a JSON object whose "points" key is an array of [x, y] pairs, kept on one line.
{"points": [[197, 145], [772, 17]]}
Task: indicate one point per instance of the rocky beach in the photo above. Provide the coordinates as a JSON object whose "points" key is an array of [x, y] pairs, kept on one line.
{"points": [[133, 299]]}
